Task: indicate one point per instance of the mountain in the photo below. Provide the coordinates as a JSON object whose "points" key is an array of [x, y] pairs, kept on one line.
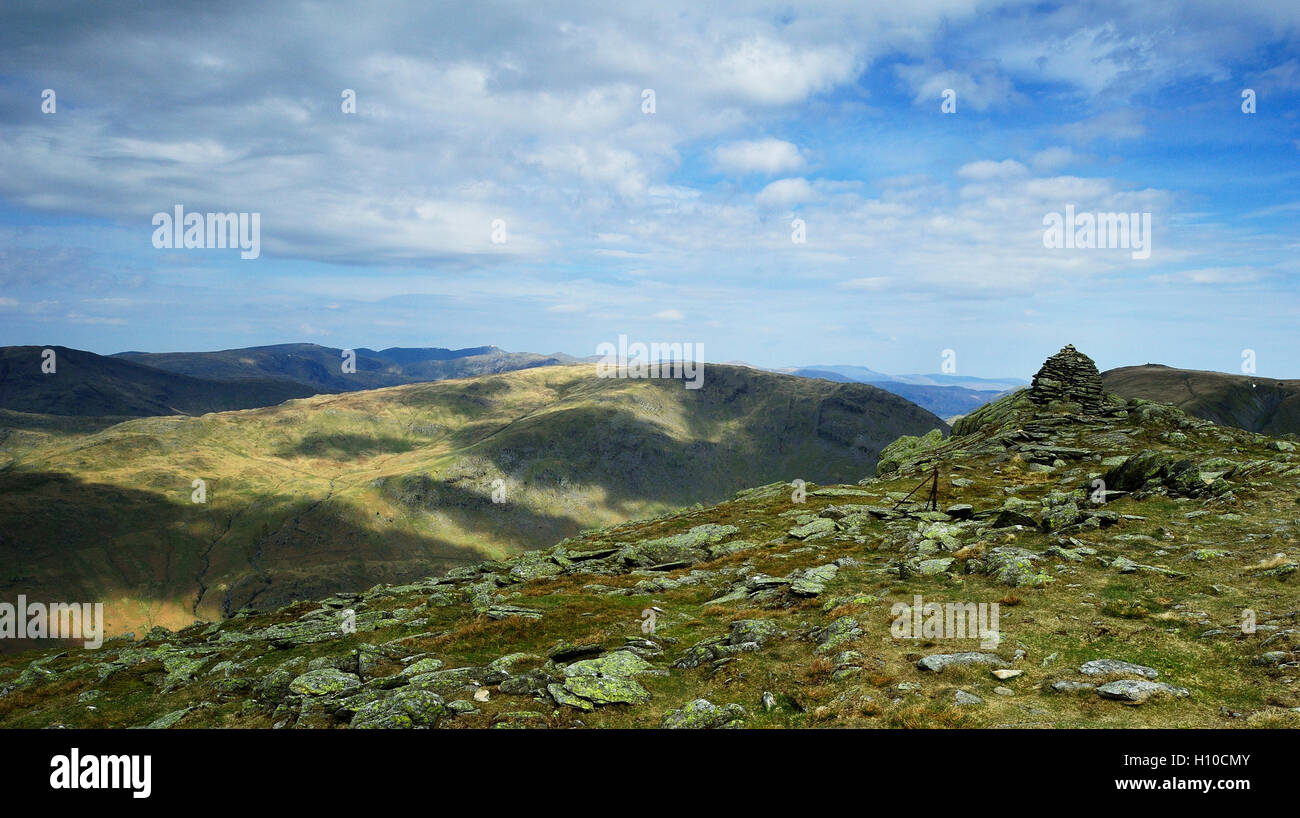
{"points": [[1245, 401], [338, 492], [945, 401], [1117, 606], [321, 368], [862, 374], [87, 384]]}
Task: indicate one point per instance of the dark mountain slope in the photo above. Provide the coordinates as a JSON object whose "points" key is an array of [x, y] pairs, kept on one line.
{"points": [[87, 384], [1245, 401]]}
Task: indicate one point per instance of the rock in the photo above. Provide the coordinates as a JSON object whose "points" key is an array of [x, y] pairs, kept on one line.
{"points": [[1137, 691], [842, 630], [1005, 674], [821, 525], [935, 566], [422, 666], [402, 709], [619, 663], [938, 662], [961, 511], [1115, 667], [962, 698], [757, 631], [325, 682], [768, 701], [565, 652], [702, 714], [1180, 477], [1015, 566], [608, 679], [813, 581], [1004, 691], [907, 450], [607, 689], [568, 699], [686, 547], [448, 683], [170, 719], [500, 611]]}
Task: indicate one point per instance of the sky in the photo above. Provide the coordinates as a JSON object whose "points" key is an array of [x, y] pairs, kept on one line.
{"points": [[504, 179]]}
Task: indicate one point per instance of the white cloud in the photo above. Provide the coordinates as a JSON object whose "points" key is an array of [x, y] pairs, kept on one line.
{"points": [[871, 283], [785, 192], [670, 315], [769, 156], [1118, 125], [980, 89], [986, 170]]}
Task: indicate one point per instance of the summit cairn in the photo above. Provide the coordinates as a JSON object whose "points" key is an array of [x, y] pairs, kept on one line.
{"points": [[1069, 376]]}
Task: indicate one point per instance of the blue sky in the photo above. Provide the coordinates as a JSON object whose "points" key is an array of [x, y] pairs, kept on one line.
{"points": [[924, 229]]}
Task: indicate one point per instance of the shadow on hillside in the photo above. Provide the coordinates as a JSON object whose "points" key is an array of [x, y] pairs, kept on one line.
{"points": [[345, 445], [822, 433], [67, 540]]}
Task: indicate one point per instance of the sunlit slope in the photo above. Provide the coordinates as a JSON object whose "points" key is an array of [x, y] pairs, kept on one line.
{"points": [[338, 492]]}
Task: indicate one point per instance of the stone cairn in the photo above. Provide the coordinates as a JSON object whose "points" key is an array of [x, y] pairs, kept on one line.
{"points": [[1068, 376]]}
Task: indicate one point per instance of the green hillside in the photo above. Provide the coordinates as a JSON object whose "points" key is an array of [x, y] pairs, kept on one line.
{"points": [[337, 492]]}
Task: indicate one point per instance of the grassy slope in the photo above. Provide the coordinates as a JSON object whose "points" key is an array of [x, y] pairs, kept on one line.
{"points": [[1089, 611], [337, 492], [1245, 401]]}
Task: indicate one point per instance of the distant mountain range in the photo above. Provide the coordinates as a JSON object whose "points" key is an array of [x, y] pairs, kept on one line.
{"points": [[948, 396], [862, 374], [140, 384], [321, 368]]}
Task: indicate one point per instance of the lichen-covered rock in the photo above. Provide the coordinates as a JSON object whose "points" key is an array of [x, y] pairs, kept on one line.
{"points": [[1138, 691], [1015, 566], [607, 689], [813, 581], [402, 709], [821, 525], [1115, 667], [838, 633], [938, 662], [564, 697], [325, 682], [619, 663], [756, 631], [906, 450], [702, 714], [1150, 469], [686, 547]]}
